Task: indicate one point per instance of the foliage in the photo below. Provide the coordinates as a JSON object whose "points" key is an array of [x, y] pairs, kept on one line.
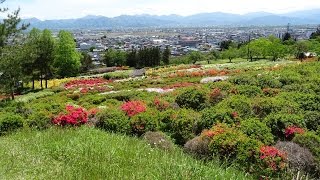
{"points": [[191, 98], [198, 147], [10, 122], [67, 59], [273, 162], [195, 56], [258, 130], [113, 120], [39, 120], [311, 141], [158, 140], [75, 116], [291, 131], [115, 58], [133, 108]]}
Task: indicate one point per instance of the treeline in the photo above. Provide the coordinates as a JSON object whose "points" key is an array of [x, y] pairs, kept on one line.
{"points": [[144, 57], [35, 56], [272, 48]]}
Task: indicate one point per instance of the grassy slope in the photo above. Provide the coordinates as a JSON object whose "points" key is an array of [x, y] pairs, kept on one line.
{"points": [[88, 153]]}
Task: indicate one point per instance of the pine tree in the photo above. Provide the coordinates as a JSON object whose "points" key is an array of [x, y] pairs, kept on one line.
{"points": [[166, 56]]}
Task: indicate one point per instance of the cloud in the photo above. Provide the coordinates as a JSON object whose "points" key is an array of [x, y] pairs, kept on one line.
{"points": [[61, 9]]}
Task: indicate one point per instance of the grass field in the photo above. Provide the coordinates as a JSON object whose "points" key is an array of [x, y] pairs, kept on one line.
{"points": [[88, 153]]}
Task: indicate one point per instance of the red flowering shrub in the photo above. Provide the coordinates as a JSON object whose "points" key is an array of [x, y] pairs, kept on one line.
{"points": [[292, 130], [161, 105], [216, 130], [85, 82], [272, 161], [216, 96], [133, 108], [75, 116], [212, 72]]}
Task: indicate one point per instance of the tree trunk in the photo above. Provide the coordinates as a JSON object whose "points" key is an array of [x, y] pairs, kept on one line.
{"points": [[33, 83], [41, 81], [12, 93]]}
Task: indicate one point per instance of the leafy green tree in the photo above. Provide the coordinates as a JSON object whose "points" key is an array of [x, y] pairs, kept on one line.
{"points": [[166, 56], [67, 59], [286, 37], [259, 47], [230, 54], [195, 56], [300, 48], [115, 58], [213, 55], [276, 49], [86, 62]]}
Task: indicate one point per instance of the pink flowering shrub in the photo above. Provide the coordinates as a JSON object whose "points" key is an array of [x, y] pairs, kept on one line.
{"points": [[291, 131], [133, 108], [75, 116], [161, 105], [273, 162]]}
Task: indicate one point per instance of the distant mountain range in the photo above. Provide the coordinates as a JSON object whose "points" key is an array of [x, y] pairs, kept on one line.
{"points": [[203, 19]]}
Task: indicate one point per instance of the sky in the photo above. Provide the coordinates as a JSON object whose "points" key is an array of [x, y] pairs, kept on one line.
{"points": [[65, 9]]}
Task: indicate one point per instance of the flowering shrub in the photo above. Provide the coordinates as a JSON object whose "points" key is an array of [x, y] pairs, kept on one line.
{"points": [[216, 96], [292, 130], [75, 116], [272, 161], [87, 85], [133, 108], [161, 105]]}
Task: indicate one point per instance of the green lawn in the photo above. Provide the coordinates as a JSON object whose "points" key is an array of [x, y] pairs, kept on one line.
{"points": [[88, 153]]}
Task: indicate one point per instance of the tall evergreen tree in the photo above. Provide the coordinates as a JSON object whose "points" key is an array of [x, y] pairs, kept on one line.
{"points": [[166, 56]]}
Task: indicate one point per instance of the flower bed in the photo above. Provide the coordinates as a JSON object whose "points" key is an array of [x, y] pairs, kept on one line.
{"points": [[88, 85]]}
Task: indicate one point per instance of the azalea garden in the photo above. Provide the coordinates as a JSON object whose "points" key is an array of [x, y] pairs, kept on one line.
{"points": [[261, 118]]}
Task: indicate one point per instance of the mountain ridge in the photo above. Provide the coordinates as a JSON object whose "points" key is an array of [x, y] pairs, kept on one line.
{"points": [[173, 20]]}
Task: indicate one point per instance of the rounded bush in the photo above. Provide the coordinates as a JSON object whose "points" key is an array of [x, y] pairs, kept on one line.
{"points": [[268, 81], [239, 104], [249, 91], [311, 141], [144, 122], [180, 125], [40, 120], [113, 120], [212, 116], [10, 122], [192, 98], [279, 122], [312, 119], [198, 147], [258, 130]]}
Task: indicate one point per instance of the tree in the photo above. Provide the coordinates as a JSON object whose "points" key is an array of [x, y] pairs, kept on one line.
{"points": [[67, 59], [166, 56], [32, 48], [300, 48], [46, 56], [195, 56], [230, 54], [226, 44], [10, 51], [315, 34], [213, 54], [86, 62], [11, 68], [132, 58], [286, 37], [315, 46], [276, 49], [115, 58], [259, 47]]}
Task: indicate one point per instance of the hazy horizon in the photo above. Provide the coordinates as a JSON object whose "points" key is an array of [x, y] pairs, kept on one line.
{"points": [[59, 9]]}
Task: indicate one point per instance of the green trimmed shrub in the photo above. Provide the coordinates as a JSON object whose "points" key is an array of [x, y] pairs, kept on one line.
{"points": [[212, 116], [10, 122], [258, 130], [144, 122], [181, 124], [113, 120], [268, 81], [249, 91], [192, 98], [312, 119], [40, 120], [239, 104]]}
